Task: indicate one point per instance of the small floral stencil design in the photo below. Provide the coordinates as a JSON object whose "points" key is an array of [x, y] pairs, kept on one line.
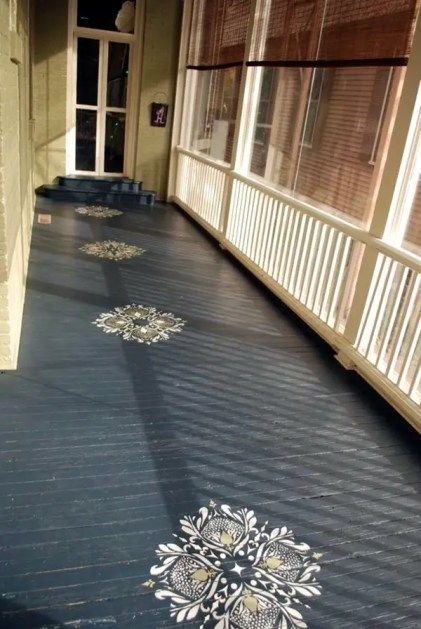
{"points": [[231, 573], [143, 324], [98, 211], [112, 250]]}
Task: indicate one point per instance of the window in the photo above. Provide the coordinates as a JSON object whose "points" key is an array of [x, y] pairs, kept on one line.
{"points": [[87, 71], [216, 98], [272, 154], [113, 15], [323, 127]]}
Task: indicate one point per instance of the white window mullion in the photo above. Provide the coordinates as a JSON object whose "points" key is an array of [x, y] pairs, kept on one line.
{"points": [[247, 101], [89, 107], [95, 33], [128, 110], [118, 110], [102, 101], [242, 135]]}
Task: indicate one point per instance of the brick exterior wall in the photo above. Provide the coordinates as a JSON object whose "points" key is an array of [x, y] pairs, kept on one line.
{"points": [[16, 186]]}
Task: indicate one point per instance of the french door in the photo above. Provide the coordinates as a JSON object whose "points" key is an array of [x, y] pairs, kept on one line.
{"points": [[101, 105]]}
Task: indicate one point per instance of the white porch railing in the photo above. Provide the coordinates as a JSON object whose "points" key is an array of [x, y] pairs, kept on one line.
{"points": [[304, 255], [311, 259], [390, 332], [200, 185]]}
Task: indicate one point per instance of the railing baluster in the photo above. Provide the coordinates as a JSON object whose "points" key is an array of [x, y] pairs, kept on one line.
{"points": [[305, 255], [297, 252], [286, 237], [260, 229], [386, 282], [391, 317], [339, 284], [411, 295], [310, 262], [409, 354], [326, 255], [274, 235], [415, 385]]}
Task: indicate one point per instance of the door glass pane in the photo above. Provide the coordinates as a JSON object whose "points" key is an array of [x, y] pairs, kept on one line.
{"points": [[112, 15], [87, 71], [118, 66], [85, 139], [114, 142]]}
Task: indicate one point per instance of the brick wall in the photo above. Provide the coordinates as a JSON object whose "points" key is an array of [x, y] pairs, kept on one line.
{"points": [[16, 186]]}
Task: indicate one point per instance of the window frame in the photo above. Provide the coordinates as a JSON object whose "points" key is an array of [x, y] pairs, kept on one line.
{"points": [[317, 103], [407, 182]]}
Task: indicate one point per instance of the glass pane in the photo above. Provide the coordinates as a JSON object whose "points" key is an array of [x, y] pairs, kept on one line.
{"points": [[114, 142], [112, 15], [317, 132], [406, 229], [118, 67], [85, 139], [87, 71], [215, 113], [274, 130], [412, 238]]}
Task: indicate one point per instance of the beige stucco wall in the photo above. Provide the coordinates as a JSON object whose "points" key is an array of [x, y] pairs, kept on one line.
{"points": [[16, 184], [158, 77], [50, 86]]}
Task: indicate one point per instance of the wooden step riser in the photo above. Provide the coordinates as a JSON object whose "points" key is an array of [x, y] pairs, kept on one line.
{"points": [[61, 193]]}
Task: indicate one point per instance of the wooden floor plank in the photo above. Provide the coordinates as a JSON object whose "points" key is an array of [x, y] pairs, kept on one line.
{"points": [[106, 444]]}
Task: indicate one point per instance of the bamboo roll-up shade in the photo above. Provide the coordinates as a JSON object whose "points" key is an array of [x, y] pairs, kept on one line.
{"points": [[218, 33], [334, 32]]}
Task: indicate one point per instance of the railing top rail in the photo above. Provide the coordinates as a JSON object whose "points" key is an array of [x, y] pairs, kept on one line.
{"points": [[209, 161]]}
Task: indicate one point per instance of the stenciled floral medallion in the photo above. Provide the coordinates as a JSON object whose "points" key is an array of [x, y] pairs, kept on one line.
{"points": [[98, 211], [143, 324], [112, 250], [231, 573]]}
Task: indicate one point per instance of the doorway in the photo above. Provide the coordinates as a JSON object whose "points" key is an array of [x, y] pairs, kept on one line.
{"points": [[103, 94]]}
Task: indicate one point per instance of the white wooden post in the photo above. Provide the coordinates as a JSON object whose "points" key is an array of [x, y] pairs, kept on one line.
{"points": [[181, 96], [394, 168], [246, 110]]}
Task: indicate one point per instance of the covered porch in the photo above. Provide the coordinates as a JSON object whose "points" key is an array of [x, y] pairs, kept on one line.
{"points": [[210, 316]]}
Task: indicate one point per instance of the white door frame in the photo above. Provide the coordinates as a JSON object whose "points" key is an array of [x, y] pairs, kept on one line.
{"points": [[133, 90]]}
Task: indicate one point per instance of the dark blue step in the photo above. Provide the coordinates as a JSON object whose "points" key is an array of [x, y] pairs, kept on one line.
{"points": [[94, 195], [90, 182]]}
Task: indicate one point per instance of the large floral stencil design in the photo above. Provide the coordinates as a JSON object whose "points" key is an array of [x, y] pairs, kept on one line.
{"points": [[98, 211], [112, 250], [231, 573], [143, 324]]}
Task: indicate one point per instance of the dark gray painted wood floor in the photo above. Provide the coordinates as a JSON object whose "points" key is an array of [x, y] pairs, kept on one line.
{"points": [[106, 444]]}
